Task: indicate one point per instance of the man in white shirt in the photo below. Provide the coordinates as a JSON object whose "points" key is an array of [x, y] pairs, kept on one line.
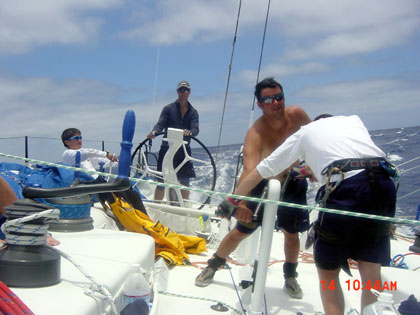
{"points": [[90, 159], [343, 157]]}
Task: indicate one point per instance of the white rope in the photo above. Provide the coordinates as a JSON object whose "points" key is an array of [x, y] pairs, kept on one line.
{"points": [[39, 230], [97, 289]]}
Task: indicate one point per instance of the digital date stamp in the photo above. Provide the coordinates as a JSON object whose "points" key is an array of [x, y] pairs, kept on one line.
{"points": [[356, 285]]}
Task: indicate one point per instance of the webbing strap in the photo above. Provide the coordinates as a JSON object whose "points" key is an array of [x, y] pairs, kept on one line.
{"points": [[346, 165]]}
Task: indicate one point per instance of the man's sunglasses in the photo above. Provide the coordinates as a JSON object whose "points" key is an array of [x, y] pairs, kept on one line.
{"points": [[184, 90], [270, 99], [74, 138]]}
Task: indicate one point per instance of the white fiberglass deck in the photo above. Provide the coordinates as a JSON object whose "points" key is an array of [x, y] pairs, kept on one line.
{"points": [[182, 297], [107, 255]]}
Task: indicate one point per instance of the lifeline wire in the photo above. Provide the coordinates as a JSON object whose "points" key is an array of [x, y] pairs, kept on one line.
{"points": [[406, 162], [409, 194], [409, 169], [222, 194]]}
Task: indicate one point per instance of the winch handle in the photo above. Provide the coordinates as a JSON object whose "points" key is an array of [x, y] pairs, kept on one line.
{"points": [[121, 183]]}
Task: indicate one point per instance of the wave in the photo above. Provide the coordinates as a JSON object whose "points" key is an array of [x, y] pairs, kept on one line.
{"points": [[394, 157]]}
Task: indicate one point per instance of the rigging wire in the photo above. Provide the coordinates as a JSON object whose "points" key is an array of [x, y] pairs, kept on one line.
{"points": [[156, 76], [251, 118], [156, 70], [236, 288], [228, 80], [406, 162], [409, 194], [409, 169]]}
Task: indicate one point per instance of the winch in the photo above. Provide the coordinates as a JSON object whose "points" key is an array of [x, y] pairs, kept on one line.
{"points": [[25, 259]]}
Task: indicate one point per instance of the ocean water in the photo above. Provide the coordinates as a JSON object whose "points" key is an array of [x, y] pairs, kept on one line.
{"points": [[402, 146]]}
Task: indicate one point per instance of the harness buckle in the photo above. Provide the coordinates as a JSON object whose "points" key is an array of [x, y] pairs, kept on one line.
{"points": [[329, 188]]}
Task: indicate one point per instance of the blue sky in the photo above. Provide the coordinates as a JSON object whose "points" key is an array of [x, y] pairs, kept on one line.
{"points": [[83, 63]]}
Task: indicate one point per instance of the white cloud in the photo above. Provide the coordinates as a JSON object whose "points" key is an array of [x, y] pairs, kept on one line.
{"points": [[185, 21], [302, 31], [381, 103], [25, 25], [358, 41], [280, 70], [333, 27]]}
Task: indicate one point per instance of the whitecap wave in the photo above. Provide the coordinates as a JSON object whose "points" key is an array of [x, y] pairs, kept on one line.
{"points": [[394, 157]]}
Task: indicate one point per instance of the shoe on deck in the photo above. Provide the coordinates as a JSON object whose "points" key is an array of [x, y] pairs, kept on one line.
{"points": [[205, 277], [292, 287]]}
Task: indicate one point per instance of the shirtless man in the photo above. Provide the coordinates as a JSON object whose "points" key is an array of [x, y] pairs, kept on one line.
{"points": [[265, 135]]}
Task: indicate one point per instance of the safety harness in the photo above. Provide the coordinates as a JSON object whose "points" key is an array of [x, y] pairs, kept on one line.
{"points": [[372, 166]]}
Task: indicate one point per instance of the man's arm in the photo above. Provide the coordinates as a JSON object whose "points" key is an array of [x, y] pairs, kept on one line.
{"points": [[252, 152], [194, 127], [248, 183], [69, 156], [274, 164], [252, 155], [163, 120]]}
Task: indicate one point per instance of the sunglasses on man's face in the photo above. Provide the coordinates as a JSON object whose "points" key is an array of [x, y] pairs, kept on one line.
{"points": [[270, 99], [74, 138], [184, 90]]}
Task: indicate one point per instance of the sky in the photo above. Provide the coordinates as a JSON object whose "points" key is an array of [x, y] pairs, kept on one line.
{"points": [[84, 63]]}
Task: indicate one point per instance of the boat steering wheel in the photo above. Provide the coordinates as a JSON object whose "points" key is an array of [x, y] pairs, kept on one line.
{"points": [[144, 164]]}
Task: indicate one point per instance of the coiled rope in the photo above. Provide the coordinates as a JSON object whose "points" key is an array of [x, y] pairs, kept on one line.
{"points": [[13, 228], [39, 231]]}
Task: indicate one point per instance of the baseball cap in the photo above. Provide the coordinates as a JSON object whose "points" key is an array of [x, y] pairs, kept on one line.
{"points": [[183, 84]]}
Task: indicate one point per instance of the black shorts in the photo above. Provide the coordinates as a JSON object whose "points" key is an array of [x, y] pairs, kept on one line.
{"points": [[341, 237], [182, 181], [332, 256], [291, 219]]}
